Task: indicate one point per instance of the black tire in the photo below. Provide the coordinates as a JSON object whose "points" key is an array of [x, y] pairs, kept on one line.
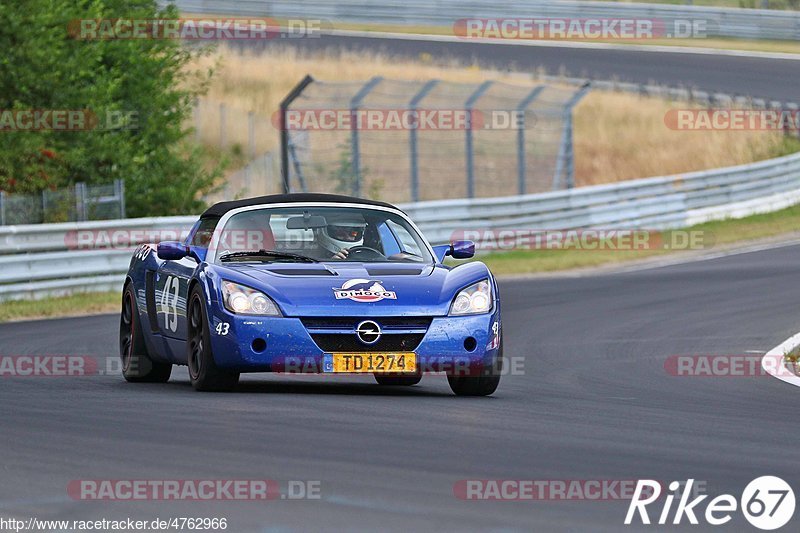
{"points": [[203, 371], [397, 381], [482, 385], [137, 366]]}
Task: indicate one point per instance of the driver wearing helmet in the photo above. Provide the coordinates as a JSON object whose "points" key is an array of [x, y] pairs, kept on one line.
{"points": [[341, 233]]}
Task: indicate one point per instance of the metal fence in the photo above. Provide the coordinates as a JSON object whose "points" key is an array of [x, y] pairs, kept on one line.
{"points": [[258, 178], [232, 129], [53, 266], [77, 203], [409, 141], [721, 22], [244, 134], [251, 134]]}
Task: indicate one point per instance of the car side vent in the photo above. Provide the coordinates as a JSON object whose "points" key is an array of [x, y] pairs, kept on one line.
{"points": [[150, 291]]}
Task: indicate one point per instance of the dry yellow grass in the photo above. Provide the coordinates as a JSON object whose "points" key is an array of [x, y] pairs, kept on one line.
{"points": [[618, 136], [621, 137]]}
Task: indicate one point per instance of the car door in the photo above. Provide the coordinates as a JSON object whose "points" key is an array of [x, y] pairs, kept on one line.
{"points": [[172, 293], [172, 285]]}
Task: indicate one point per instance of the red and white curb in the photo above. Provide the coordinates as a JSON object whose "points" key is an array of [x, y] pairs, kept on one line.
{"points": [[780, 351]]}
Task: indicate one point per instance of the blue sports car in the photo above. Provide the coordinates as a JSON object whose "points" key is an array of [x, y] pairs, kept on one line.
{"points": [[310, 283]]}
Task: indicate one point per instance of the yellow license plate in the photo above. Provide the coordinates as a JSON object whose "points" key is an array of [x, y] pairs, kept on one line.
{"points": [[376, 363]]}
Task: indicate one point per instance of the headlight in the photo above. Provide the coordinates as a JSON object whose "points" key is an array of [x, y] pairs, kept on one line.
{"points": [[246, 301], [473, 300]]}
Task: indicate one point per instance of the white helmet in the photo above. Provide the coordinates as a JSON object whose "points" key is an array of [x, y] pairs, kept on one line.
{"points": [[342, 231]]}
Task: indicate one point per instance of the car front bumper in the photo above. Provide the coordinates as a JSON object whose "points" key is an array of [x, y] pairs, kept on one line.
{"points": [[272, 344]]}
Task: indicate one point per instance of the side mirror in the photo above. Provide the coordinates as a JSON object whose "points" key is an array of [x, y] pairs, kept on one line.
{"points": [[457, 250], [462, 249], [441, 251], [172, 250], [198, 253]]}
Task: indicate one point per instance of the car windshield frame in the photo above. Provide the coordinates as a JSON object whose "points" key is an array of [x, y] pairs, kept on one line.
{"points": [[215, 253]]}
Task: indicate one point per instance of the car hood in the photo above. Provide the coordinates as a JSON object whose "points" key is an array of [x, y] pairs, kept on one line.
{"points": [[359, 289]]}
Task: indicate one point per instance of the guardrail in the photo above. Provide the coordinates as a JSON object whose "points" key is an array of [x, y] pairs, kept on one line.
{"points": [[721, 22], [41, 260]]}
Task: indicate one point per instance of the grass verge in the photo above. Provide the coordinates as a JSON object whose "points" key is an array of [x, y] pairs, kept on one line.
{"points": [[73, 305]]}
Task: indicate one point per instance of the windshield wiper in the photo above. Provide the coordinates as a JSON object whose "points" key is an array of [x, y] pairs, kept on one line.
{"points": [[268, 254]]}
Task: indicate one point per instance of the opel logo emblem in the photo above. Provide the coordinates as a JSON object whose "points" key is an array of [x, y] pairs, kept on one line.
{"points": [[368, 332]]}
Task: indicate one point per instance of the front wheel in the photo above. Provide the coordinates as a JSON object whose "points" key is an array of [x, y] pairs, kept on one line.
{"points": [[482, 385], [137, 366], [203, 371]]}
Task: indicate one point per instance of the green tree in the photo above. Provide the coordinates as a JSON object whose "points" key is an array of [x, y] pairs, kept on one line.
{"points": [[43, 66]]}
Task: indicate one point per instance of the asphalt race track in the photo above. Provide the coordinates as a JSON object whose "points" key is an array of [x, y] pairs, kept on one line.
{"points": [[594, 402], [740, 75]]}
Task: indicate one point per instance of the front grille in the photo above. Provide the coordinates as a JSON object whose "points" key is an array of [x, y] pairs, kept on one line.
{"points": [[350, 323], [337, 334], [402, 342]]}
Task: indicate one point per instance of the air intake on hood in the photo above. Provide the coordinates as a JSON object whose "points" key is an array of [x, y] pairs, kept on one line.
{"points": [[394, 271], [301, 272]]}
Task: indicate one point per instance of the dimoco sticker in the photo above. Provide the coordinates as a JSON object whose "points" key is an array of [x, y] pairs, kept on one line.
{"points": [[363, 290]]}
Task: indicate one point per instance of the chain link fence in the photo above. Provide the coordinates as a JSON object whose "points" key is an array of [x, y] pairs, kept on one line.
{"points": [[73, 204], [408, 141], [245, 134]]}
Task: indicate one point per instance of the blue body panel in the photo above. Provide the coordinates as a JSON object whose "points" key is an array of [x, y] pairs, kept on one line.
{"points": [[304, 291]]}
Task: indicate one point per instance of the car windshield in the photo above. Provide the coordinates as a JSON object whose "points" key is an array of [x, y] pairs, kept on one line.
{"points": [[291, 234]]}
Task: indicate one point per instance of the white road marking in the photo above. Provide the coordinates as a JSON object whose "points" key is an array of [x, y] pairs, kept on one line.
{"points": [[779, 351]]}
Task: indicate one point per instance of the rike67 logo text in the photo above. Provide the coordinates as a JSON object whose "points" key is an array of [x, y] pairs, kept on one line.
{"points": [[767, 503]]}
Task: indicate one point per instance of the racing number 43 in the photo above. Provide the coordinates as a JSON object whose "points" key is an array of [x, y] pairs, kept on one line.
{"points": [[169, 303]]}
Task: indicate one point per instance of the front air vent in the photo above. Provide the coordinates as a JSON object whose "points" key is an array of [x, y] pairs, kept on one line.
{"points": [[349, 343], [301, 272], [338, 334], [394, 271]]}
